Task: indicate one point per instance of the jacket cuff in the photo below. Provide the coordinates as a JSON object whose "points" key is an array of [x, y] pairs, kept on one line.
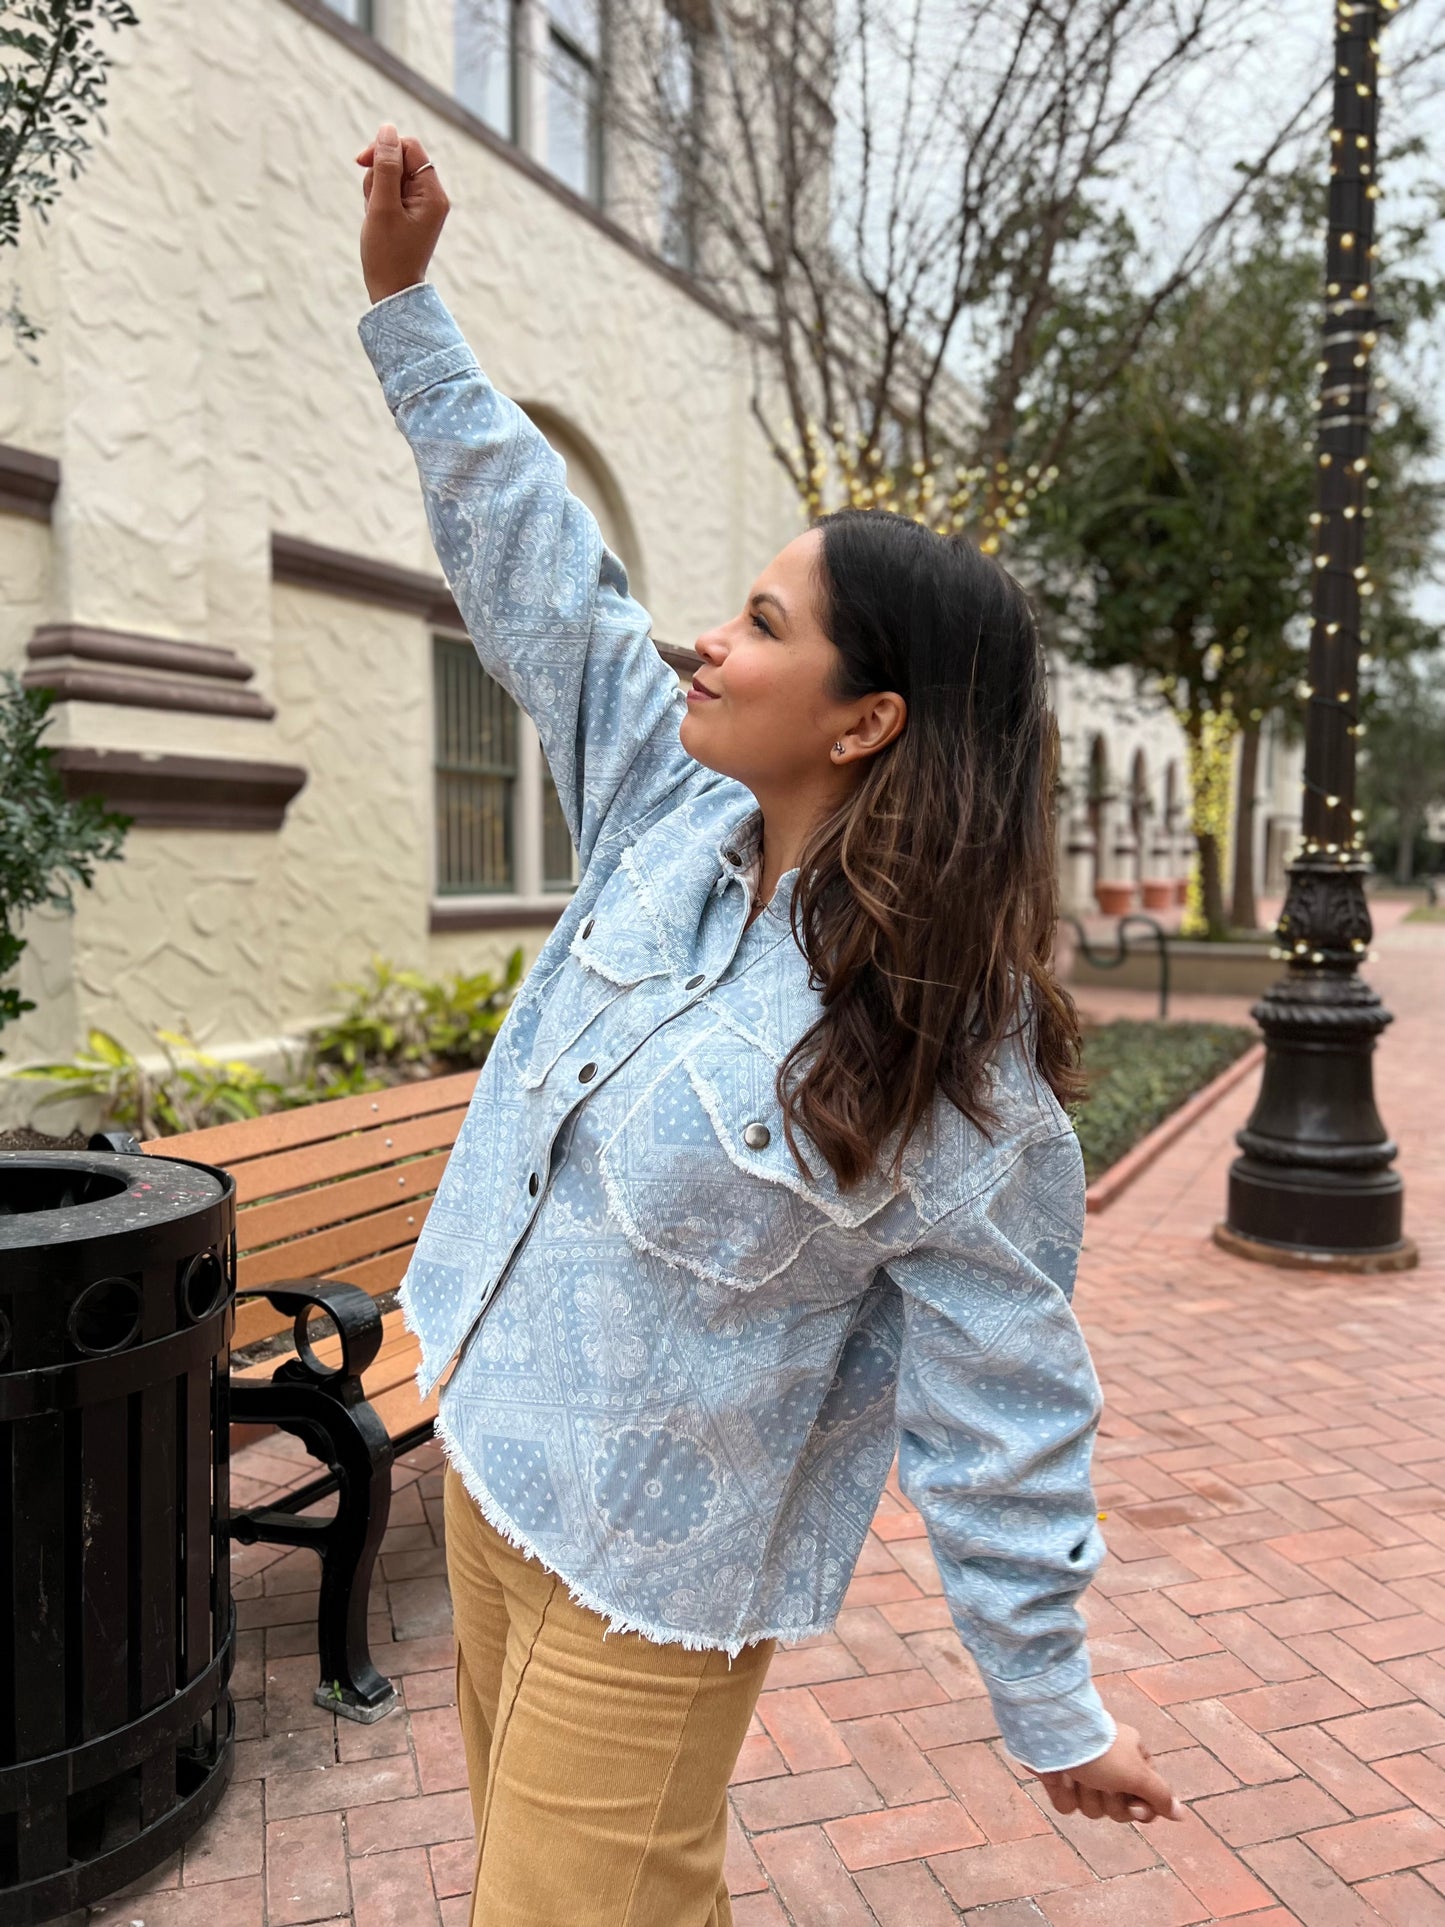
{"points": [[413, 343], [1054, 1720]]}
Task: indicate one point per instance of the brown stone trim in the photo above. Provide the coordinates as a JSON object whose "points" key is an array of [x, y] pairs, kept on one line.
{"points": [[147, 692], [205, 686], [28, 482], [495, 916], [183, 792], [311, 565], [133, 651], [366, 48], [687, 662]]}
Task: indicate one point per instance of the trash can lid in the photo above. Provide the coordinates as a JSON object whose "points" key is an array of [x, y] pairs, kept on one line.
{"points": [[59, 1197]]}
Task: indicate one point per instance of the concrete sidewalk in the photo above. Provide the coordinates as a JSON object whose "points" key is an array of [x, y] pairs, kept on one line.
{"points": [[1272, 1617]]}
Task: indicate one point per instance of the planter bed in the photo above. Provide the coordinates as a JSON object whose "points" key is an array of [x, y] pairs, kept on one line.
{"points": [[1140, 1073], [1195, 967]]}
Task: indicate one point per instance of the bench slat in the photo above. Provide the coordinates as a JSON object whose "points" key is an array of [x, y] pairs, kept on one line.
{"points": [[259, 1225], [325, 1254], [363, 1151], [257, 1137]]}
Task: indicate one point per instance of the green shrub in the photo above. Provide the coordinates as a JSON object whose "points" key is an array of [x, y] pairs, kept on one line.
{"points": [[48, 843], [397, 1025], [1139, 1073], [193, 1092], [401, 1021]]}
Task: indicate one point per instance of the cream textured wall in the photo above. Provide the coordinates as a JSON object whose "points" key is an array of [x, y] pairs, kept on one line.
{"points": [[202, 385]]}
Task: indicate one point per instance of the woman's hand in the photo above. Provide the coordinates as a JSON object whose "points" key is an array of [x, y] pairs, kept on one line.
{"points": [[1119, 1785], [406, 208]]}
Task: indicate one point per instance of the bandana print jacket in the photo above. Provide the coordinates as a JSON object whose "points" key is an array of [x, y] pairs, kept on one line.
{"points": [[682, 1367]]}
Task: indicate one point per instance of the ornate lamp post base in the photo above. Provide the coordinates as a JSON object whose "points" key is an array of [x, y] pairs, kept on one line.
{"points": [[1402, 1257], [1314, 1188]]}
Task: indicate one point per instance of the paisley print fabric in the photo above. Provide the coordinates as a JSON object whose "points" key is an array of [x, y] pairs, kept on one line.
{"points": [[682, 1364]]}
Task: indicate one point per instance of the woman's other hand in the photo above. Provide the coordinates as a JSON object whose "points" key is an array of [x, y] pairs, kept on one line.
{"points": [[1120, 1785], [406, 208]]}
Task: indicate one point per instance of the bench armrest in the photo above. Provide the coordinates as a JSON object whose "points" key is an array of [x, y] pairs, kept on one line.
{"points": [[353, 1312]]}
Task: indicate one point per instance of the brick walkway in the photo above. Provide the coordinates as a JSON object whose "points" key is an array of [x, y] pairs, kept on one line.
{"points": [[1272, 1617]]}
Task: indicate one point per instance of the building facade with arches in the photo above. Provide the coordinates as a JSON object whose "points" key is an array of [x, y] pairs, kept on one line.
{"points": [[1124, 837]]}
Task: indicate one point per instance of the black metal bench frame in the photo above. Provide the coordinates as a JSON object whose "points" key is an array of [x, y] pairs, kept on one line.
{"points": [[327, 1409]]}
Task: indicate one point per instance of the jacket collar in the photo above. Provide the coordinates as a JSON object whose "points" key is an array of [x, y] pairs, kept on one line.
{"points": [[687, 857]]}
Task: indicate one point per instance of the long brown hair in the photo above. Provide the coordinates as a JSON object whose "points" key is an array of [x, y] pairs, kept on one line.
{"points": [[925, 905]]}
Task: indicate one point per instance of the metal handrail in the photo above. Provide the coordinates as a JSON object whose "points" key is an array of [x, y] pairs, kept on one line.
{"points": [[1097, 961]]}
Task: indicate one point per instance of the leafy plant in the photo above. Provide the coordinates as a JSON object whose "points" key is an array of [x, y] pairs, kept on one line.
{"points": [[403, 1020], [399, 1024], [48, 843], [53, 74], [193, 1092]]}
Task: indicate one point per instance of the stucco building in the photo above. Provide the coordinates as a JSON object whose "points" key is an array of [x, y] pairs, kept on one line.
{"points": [[211, 536], [211, 540]]}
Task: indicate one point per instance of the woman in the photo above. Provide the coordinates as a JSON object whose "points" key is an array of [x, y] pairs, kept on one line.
{"points": [[765, 1174]]}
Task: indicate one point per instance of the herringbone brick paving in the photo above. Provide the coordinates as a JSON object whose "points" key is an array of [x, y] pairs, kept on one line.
{"points": [[1272, 1617]]}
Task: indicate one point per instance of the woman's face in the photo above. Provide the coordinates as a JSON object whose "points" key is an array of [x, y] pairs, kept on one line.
{"points": [[759, 708]]}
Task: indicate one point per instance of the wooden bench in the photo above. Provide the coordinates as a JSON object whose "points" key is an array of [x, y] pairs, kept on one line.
{"points": [[330, 1199]]}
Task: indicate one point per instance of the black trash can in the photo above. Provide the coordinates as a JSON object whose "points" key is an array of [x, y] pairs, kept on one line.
{"points": [[117, 1282]]}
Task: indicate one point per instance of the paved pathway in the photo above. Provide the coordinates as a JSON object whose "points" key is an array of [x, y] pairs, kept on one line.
{"points": [[1272, 1616]]}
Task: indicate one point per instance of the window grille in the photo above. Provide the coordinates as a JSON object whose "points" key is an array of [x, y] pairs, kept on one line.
{"points": [[476, 775]]}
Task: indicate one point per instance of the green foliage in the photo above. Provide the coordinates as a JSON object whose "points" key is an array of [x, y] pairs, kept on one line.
{"points": [[48, 844], [409, 1023], [193, 1091], [1141, 1072], [53, 73], [398, 1025], [1403, 772], [1178, 543]]}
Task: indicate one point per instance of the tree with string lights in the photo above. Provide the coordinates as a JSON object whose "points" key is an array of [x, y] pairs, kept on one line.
{"points": [[1315, 1183]]}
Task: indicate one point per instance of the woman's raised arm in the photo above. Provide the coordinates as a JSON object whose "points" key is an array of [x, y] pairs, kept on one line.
{"points": [[545, 602]]}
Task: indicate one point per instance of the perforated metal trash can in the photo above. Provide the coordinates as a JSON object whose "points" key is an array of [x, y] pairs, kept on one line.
{"points": [[117, 1281]]}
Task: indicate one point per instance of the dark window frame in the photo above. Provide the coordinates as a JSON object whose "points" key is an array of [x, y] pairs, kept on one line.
{"points": [[558, 38]]}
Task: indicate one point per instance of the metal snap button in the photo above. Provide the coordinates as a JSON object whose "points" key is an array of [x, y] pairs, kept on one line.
{"points": [[757, 1137], [733, 857], [532, 1185], [693, 982], [586, 1074], [588, 928]]}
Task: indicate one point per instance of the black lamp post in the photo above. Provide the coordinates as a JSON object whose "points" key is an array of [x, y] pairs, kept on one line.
{"points": [[1315, 1184]]}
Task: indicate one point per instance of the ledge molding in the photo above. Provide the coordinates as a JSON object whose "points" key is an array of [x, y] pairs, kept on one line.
{"points": [[501, 913], [182, 792], [29, 482], [79, 663], [340, 572]]}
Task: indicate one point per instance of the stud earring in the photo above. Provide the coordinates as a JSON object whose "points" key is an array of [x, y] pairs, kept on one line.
{"points": [[837, 749]]}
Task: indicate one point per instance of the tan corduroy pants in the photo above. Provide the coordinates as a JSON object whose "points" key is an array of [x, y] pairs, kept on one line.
{"points": [[598, 1768]]}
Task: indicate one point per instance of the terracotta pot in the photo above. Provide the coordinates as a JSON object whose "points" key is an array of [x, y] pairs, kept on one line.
{"points": [[1115, 899], [1159, 893]]}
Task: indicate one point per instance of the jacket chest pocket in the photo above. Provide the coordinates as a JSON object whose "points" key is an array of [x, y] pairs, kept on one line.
{"points": [[698, 1171], [612, 953]]}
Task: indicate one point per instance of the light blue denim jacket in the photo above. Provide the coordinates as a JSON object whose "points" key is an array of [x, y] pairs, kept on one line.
{"points": [[684, 1366]]}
